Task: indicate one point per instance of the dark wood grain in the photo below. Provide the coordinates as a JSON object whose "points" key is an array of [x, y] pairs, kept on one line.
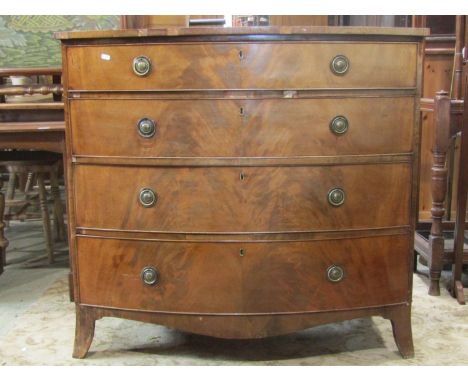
{"points": [[400, 318], [247, 326], [268, 278], [438, 187], [242, 234], [438, 69], [242, 128], [267, 199], [84, 331], [308, 65], [242, 66]]}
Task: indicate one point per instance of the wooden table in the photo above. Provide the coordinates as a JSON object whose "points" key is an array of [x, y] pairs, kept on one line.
{"points": [[47, 136], [29, 123]]}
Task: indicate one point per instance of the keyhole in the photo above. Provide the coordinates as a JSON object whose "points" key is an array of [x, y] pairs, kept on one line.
{"points": [[241, 111], [241, 54], [242, 252], [241, 176]]}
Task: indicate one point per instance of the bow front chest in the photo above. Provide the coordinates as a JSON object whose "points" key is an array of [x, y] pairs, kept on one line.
{"points": [[242, 182]]}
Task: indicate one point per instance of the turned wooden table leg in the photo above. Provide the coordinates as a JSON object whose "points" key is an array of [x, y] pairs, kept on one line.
{"points": [[459, 293], [438, 187], [435, 264], [84, 331], [401, 325]]}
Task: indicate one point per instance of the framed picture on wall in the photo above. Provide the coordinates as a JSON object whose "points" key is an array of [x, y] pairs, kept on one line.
{"points": [[28, 41]]}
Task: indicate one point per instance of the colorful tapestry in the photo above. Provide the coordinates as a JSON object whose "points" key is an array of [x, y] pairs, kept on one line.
{"points": [[28, 41]]}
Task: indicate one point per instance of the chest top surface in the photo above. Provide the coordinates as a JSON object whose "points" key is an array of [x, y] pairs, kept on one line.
{"points": [[244, 31]]}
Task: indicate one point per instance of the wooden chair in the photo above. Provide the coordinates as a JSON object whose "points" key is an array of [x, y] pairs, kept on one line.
{"points": [[460, 253], [439, 242], [40, 164]]}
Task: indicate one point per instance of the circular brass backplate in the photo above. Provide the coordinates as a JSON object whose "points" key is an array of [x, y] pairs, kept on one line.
{"points": [[149, 275], [339, 65], [336, 197], [335, 273], [146, 127], [147, 197], [339, 125], [141, 66]]}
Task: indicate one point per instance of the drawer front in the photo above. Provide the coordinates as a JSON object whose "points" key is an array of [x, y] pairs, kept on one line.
{"points": [[269, 277], [242, 66], [251, 199], [250, 128]]}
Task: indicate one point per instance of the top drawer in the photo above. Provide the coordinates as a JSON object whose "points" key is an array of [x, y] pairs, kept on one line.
{"points": [[200, 66]]}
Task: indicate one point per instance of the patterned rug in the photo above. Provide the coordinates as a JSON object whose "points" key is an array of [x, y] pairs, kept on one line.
{"points": [[44, 335]]}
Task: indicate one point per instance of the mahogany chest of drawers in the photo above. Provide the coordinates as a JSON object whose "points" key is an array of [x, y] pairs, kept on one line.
{"points": [[242, 183]]}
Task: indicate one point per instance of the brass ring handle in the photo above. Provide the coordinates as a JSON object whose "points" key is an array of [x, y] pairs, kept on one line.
{"points": [[149, 276], [339, 125], [339, 65], [146, 127], [335, 273], [147, 197], [141, 66], [336, 197]]}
